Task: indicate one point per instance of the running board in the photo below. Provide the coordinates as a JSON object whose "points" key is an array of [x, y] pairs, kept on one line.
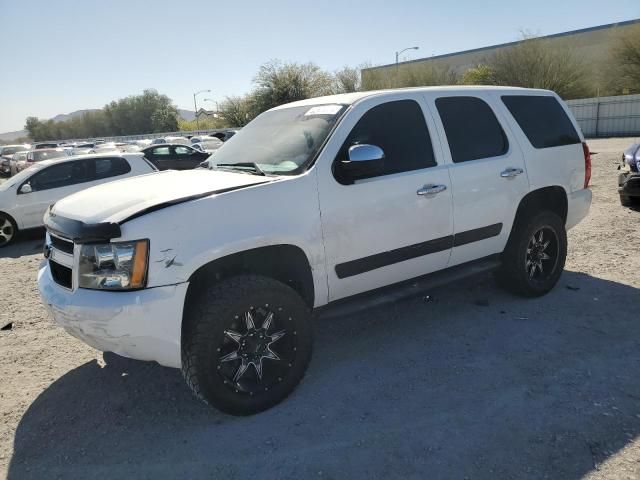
{"points": [[408, 289]]}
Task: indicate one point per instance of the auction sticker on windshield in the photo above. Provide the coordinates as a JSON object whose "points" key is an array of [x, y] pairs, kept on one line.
{"points": [[323, 110]]}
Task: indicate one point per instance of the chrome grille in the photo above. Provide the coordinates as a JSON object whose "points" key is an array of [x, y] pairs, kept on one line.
{"points": [[61, 244]]}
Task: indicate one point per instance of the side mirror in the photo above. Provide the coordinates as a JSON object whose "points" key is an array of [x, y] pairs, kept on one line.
{"points": [[363, 160], [26, 188]]}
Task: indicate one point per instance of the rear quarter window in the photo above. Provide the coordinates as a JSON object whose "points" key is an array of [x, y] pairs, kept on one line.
{"points": [[542, 119], [111, 167]]}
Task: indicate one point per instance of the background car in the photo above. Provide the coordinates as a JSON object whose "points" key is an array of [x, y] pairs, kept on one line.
{"points": [[158, 141], [26, 196], [174, 157], [35, 156], [105, 148], [208, 144], [6, 153], [629, 177], [41, 145], [180, 140], [225, 135], [19, 158], [82, 148]]}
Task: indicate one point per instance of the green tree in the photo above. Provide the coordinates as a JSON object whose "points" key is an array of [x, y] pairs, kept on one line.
{"points": [[534, 63], [348, 80], [238, 111], [278, 83], [150, 112], [412, 75], [623, 74]]}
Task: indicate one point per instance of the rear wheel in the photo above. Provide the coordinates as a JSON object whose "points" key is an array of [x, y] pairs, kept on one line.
{"points": [[535, 255], [246, 344], [8, 230]]}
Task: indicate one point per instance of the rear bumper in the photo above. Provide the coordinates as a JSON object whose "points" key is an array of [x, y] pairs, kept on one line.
{"points": [[144, 325], [578, 205], [629, 184]]}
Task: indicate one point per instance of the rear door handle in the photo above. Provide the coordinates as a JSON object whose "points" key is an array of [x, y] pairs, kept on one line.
{"points": [[431, 189], [511, 172]]}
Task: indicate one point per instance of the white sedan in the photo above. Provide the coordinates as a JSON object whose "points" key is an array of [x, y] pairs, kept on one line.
{"points": [[25, 197]]}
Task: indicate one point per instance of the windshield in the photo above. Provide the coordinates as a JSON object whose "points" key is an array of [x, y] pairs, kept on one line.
{"points": [[281, 141], [19, 177]]}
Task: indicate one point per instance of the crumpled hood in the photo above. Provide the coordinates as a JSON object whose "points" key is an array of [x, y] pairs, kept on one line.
{"points": [[118, 201]]}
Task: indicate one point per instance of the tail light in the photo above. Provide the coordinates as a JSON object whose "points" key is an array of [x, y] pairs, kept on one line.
{"points": [[587, 164]]}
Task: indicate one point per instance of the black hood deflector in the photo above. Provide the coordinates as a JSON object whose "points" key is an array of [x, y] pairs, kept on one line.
{"points": [[80, 232]]}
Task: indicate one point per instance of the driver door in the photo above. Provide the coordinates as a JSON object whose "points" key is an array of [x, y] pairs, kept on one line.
{"points": [[48, 186], [396, 224]]}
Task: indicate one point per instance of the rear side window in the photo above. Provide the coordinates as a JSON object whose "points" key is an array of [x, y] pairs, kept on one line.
{"points": [[472, 129], [111, 167], [398, 128], [183, 151], [542, 119]]}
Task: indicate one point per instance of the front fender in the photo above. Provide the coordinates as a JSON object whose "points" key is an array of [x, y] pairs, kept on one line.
{"points": [[186, 236]]}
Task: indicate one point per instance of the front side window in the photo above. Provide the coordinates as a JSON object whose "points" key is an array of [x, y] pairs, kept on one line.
{"points": [[161, 151], [283, 141], [400, 130], [472, 129], [61, 175], [542, 119]]}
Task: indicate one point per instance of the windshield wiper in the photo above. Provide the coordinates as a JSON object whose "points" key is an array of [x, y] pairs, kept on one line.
{"points": [[243, 166]]}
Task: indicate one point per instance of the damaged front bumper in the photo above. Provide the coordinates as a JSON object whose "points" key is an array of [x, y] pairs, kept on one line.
{"points": [[143, 324]]}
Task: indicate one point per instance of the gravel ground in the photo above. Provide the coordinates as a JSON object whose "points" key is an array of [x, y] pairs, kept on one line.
{"points": [[474, 383]]}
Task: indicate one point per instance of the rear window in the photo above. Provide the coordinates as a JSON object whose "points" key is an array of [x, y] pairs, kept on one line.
{"points": [[542, 119], [472, 129]]}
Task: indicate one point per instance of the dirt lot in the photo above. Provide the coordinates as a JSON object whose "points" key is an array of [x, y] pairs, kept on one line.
{"points": [[473, 384]]}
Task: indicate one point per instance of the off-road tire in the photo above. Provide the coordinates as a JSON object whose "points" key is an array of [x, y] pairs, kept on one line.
{"points": [[211, 311], [513, 274], [627, 201]]}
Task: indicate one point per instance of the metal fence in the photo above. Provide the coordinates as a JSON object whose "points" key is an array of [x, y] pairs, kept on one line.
{"points": [[608, 116]]}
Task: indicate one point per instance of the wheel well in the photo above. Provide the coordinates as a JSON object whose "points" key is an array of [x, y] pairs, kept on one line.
{"points": [[285, 263], [553, 199]]}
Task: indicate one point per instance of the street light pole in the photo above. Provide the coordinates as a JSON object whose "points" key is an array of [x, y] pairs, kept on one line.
{"points": [[404, 50], [195, 106]]}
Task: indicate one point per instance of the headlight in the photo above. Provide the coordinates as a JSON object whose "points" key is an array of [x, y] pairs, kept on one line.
{"points": [[114, 266]]}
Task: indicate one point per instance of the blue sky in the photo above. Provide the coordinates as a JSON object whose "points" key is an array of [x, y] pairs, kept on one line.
{"points": [[63, 55]]}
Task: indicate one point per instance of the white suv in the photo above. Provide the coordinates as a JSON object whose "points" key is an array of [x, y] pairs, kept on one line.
{"points": [[217, 271]]}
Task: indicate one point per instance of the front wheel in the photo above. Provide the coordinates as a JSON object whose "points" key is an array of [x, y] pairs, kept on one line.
{"points": [[8, 230], [535, 255], [246, 343]]}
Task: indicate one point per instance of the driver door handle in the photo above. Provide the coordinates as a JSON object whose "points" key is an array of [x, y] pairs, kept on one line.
{"points": [[511, 172], [431, 189]]}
